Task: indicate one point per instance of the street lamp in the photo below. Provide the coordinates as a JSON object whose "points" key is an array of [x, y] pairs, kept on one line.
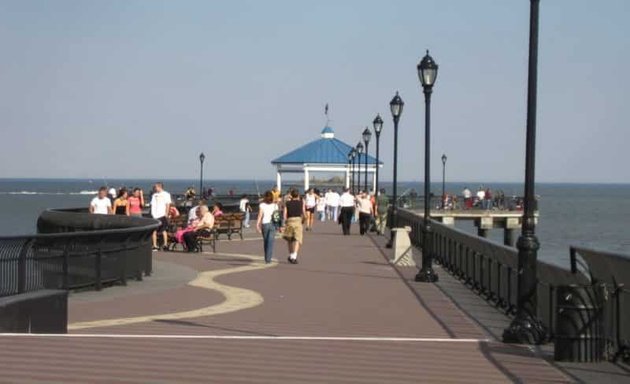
{"points": [[366, 139], [427, 72], [202, 158], [526, 327], [378, 126], [349, 166], [359, 153], [443, 181], [353, 155], [396, 108]]}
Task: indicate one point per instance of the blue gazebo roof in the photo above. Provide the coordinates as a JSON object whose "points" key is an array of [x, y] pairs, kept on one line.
{"points": [[326, 150]]}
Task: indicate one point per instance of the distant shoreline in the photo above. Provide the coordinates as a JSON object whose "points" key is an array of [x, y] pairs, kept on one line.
{"points": [[208, 181]]}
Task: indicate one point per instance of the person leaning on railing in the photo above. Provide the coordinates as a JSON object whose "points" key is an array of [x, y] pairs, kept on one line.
{"points": [[202, 228]]}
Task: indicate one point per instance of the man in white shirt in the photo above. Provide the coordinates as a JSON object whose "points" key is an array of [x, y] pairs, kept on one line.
{"points": [[332, 204], [347, 204], [192, 213], [467, 198], [160, 205], [101, 204]]}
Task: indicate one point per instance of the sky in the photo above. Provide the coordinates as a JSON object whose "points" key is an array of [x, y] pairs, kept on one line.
{"points": [[137, 89]]}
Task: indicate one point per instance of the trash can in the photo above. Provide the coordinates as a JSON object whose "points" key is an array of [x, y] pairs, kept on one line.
{"points": [[579, 323]]}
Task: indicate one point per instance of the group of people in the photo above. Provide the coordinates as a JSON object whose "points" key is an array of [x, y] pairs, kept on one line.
{"points": [[293, 214], [484, 198], [119, 202]]}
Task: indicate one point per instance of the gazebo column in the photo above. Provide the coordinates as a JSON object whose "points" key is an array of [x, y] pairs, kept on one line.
{"points": [[306, 179], [279, 180], [374, 180], [348, 177]]}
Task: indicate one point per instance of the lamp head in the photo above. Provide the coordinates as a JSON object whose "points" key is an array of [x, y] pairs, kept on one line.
{"points": [[427, 71], [378, 125], [367, 135], [396, 106]]}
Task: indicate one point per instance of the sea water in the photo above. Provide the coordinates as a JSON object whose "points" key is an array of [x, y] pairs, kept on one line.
{"points": [[591, 215]]}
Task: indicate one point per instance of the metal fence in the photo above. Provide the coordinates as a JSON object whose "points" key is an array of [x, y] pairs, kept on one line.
{"points": [[74, 250], [490, 269]]}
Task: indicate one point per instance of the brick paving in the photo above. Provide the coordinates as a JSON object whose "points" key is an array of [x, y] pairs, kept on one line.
{"points": [[342, 292]]}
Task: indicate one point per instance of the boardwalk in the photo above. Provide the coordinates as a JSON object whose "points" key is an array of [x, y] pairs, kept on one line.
{"points": [[343, 315]]}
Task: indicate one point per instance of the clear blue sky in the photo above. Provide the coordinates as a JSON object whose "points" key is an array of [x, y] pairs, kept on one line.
{"points": [[138, 88]]}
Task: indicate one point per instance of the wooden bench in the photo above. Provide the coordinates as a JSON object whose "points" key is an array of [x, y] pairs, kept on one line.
{"points": [[229, 224]]}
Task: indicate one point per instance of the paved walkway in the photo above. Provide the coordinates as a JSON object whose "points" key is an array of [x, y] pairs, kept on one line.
{"points": [[343, 315]]}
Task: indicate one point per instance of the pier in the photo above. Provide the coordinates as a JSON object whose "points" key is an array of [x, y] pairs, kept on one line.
{"points": [[484, 220], [344, 314]]}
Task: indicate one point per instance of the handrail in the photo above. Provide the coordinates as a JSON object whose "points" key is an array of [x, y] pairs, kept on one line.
{"points": [[62, 258], [490, 269]]}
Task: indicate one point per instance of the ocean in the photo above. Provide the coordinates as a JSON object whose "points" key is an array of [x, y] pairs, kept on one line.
{"points": [[591, 215]]}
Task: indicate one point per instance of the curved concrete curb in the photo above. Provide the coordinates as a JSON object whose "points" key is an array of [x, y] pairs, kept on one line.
{"points": [[236, 299]]}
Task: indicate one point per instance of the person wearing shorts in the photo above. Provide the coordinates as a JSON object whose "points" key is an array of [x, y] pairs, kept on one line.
{"points": [[294, 211], [310, 200], [160, 207]]}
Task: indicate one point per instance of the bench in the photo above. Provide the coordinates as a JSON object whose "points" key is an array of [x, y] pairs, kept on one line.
{"points": [[229, 224]]}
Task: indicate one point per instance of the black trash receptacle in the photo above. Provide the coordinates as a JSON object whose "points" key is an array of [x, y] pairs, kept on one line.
{"points": [[579, 324]]}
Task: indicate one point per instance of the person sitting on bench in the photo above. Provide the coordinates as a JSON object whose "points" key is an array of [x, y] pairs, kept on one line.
{"points": [[203, 228]]}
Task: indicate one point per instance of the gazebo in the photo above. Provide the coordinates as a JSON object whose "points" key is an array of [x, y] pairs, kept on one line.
{"points": [[326, 154]]}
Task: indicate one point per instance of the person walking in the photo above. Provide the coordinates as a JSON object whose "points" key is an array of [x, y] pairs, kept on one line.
{"points": [[347, 204], [121, 204], [364, 204], [294, 212], [246, 209], [382, 207], [265, 224], [311, 202], [136, 202], [332, 204], [160, 207], [101, 204]]}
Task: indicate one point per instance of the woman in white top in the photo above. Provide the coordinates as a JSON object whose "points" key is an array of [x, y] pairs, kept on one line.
{"points": [[310, 201], [265, 224]]}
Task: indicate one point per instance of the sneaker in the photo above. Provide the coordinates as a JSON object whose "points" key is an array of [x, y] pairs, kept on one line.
{"points": [[155, 249]]}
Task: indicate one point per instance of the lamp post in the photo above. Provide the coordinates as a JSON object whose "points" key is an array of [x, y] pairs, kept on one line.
{"points": [[349, 166], [396, 107], [427, 72], [353, 155], [443, 181], [359, 153], [202, 158], [378, 126], [366, 139], [526, 327]]}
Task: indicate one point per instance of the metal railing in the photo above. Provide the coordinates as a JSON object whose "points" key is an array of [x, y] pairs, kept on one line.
{"points": [[74, 250], [490, 269]]}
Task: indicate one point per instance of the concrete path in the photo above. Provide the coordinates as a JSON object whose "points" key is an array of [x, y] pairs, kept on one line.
{"points": [[342, 315]]}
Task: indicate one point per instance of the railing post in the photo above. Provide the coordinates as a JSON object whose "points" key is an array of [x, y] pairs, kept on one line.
{"points": [[65, 265], [97, 269], [21, 288]]}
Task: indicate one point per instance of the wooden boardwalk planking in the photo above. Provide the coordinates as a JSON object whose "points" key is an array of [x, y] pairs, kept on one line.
{"points": [[343, 287]]}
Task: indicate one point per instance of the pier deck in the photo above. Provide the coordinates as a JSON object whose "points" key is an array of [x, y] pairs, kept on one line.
{"points": [[343, 315]]}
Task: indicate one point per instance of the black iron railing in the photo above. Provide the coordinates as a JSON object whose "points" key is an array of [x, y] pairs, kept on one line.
{"points": [[490, 269], [75, 250]]}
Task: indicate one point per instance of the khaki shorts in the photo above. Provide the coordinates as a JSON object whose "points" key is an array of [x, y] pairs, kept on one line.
{"points": [[293, 229]]}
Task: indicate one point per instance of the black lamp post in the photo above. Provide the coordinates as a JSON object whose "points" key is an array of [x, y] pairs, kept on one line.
{"points": [[443, 181], [396, 107], [378, 126], [349, 167], [359, 153], [427, 72], [366, 139], [202, 158], [526, 327], [353, 154]]}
